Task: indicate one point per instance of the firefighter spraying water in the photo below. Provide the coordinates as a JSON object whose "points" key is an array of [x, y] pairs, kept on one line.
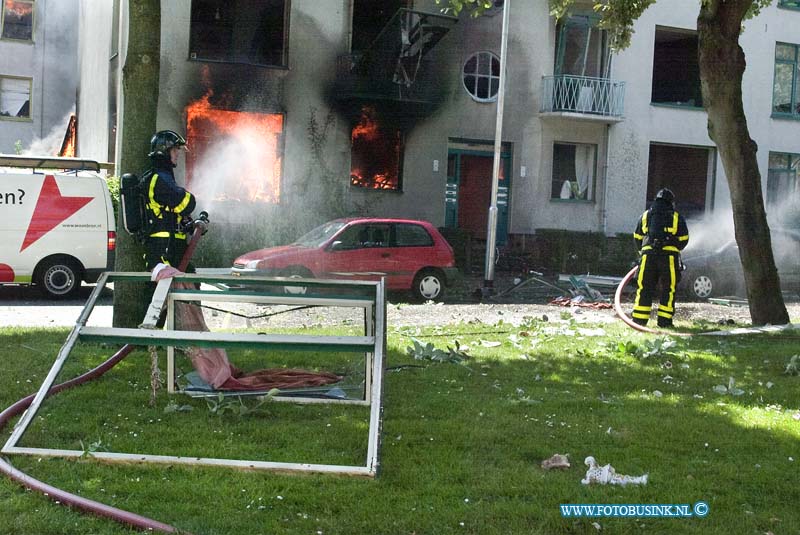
{"points": [[660, 235]]}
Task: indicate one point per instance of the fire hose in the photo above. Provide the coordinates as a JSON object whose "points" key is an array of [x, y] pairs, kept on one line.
{"points": [[72, 500], [628, 321]]}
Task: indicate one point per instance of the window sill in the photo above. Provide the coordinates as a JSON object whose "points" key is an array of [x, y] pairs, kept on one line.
{"points": [[365, 189], [790, 8], [677, 106], [572, 201], [786, 116], [245, 63], [16, 119], [20, 41]]}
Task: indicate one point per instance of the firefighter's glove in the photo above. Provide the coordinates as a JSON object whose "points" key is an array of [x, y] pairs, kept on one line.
{"points": [[186, 225]]}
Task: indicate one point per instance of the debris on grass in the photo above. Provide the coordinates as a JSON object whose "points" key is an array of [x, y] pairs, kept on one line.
{"points": [[730, 389], [556, 461], [428, 351], [606, 475], [793, 366]]}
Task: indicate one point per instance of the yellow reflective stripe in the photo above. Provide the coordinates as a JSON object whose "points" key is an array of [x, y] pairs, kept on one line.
{"points": [[647, 247], [184, 203], [644, 222], [674, 228], [639, 236], [683, 238], [667, 315], [673, 280], [641, 308], [179, 235], [152, 204], [640, 316], [639, 280], [665, 308], [670, 248]]}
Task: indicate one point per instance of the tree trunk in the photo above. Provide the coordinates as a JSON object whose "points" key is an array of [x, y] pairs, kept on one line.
{"points": [[722, 65], [138, 123]]}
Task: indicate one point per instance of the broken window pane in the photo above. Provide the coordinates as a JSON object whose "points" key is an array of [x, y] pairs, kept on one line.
{"points": [[676, 71], [581, 49], [685, 170], [786, 86], [18, 20], [239, 31], [573, 171], [481, 75], [376, 153], [15, 97]]}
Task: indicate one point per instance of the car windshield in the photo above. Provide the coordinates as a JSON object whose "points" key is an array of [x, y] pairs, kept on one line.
{"points": [[319, 235]]}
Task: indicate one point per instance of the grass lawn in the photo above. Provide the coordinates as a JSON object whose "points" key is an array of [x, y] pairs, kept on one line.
{"points": [[462, 441]]}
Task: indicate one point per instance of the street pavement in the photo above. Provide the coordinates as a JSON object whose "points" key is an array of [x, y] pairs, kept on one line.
{"points": [[25, 306]]}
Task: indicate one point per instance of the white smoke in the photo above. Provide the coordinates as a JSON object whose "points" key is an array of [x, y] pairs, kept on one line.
{"points": [[51, 143]]}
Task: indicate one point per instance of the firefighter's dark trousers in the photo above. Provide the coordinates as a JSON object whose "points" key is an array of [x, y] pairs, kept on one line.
{"points": [[656, 270]]}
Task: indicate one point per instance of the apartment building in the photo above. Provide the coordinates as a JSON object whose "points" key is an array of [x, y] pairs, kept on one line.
{"points": [[38, 73], [399, 102]]}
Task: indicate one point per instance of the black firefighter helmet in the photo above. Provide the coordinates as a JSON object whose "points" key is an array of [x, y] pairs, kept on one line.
{"points": [[666, 195], [164, 140]]}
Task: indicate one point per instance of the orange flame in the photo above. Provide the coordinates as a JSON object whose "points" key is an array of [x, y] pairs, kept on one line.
{"points": [[70, 138], [367, 127], [255, 175], [18, 8]]}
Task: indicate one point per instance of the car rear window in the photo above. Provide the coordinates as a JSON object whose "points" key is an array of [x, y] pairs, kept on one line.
{"points": [[408, 235]]}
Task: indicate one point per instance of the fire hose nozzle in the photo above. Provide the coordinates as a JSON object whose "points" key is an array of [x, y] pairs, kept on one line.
{"points": [[202, 222]]}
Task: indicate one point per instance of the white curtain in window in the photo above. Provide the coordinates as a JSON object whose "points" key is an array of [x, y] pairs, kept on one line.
{"points": [[584, 164]]}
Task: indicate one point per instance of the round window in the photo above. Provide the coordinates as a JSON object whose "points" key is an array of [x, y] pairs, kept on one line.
{"points": [[481, 76]]}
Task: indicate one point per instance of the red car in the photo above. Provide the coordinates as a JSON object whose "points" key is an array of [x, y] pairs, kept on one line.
{"points": [[410, 254]]}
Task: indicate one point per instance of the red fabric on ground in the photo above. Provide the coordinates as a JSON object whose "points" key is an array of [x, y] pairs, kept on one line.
{"points": [[214, 367]]}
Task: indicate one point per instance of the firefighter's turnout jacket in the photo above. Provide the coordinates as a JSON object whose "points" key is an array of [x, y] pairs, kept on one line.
{"points": [[167, 205], [660, 235]]}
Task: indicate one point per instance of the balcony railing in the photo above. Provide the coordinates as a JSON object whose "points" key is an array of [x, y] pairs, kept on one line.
{"points": [[582, 94]]}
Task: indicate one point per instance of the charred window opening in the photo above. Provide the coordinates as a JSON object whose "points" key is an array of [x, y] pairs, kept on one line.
{"points": [[239, 31], [18, 20], [369, 18], [688, 171], [376, 153], [15, 97], [676, 71], [233, 155]]}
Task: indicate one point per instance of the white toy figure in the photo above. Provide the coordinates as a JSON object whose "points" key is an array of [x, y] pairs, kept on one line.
{"points": [[607, 475]]}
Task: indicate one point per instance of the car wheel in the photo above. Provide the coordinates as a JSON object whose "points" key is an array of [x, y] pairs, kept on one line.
{"points": [[59, 278], [701, 286], [297, 272], [428, 285]]}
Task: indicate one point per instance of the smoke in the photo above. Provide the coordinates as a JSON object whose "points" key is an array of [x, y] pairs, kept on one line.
{"points": [[51, 143], [716, 230]]}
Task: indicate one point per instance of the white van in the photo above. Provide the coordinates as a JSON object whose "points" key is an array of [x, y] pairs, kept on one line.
{"points": [[57, 226]]}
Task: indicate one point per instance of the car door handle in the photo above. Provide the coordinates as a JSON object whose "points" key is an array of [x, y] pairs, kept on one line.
{"points": [[385, 255]]}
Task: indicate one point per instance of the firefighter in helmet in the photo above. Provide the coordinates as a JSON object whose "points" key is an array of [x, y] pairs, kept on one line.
{"points": [[169, 206], [661, 234]]}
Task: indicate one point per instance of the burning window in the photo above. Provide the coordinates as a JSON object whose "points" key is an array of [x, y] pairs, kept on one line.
{"points": [[376, 153], [234, 155], [239, 31], [18, 20], [15, 97]]}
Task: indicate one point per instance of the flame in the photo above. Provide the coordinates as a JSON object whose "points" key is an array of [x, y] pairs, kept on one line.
{"points": [[379, 148], [18, 8], [253, 171], [367, 127], [70, 138]]}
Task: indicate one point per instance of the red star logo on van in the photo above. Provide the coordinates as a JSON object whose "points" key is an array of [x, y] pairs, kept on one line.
{"points": [[51, 210]]}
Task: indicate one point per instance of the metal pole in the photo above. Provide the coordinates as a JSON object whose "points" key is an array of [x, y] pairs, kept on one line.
{"points": [[491, 233]]}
